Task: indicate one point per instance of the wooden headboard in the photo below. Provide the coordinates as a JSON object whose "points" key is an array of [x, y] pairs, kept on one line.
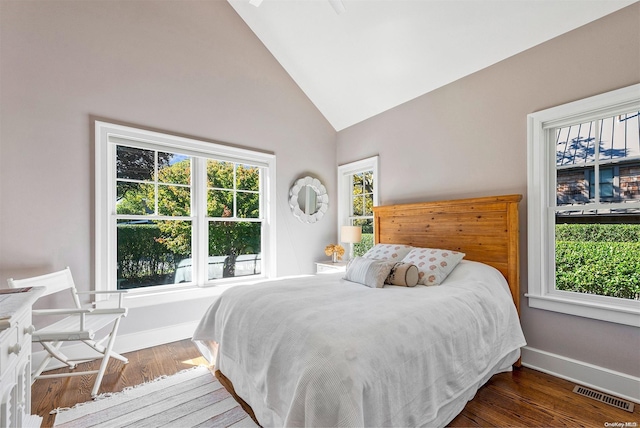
{"points": [[485, 229]]}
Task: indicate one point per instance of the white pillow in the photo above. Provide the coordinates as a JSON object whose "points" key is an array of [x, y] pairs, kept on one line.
{"points": [[369, 272], [395, 252], [433, 264]]}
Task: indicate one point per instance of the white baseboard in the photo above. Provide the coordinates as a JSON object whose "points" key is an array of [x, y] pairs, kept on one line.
{"points": [[125, 343], [602, 379]]}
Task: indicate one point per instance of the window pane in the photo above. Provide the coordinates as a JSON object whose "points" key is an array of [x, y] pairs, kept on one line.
{"points": [[357, 183], [572, 187], [358, 205], [606, 183], [595, 257], [153, 253], [368, 204], [575, 144], [220, 203], [629, 176], [248, 205], [135, 164], [248, 177], [135, 198], [367, 236], [174, 200], [234, 249], [220, 174], [177, 169], [367, 181], [619, 137]]}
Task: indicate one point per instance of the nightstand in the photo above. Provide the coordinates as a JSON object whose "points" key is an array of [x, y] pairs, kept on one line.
{"points": [[330, 267]]}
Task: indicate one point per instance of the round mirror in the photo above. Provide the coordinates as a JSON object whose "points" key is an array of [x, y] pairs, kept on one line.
{"points": [[308, 199]]}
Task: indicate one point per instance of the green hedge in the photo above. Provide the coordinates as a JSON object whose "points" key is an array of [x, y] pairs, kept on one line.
{"points": [[598, 232], [142, 257], [363, 246], [601, 259]]}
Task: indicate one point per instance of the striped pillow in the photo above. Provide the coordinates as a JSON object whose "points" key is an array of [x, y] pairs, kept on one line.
{"points": [[369, 272]]}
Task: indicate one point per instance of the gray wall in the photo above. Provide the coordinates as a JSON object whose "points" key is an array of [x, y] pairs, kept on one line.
{"points": [[191, 68], [469, 139]]}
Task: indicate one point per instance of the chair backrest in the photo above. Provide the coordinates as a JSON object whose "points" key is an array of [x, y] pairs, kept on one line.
{"points": [[51, 282]]}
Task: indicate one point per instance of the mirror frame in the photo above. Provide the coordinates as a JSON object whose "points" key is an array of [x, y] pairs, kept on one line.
{"points": [[321, 194]]}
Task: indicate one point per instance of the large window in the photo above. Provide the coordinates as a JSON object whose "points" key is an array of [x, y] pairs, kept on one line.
{"points": [[174, 212], [357, 195], [584, 207]]}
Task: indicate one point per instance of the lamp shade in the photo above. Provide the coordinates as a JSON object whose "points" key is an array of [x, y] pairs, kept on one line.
{"points": [[351, 234]]}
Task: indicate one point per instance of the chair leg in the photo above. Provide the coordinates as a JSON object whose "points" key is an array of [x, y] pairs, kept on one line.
{"points": [[105, 359], [54, 351], [96, 346], [41, 367]]}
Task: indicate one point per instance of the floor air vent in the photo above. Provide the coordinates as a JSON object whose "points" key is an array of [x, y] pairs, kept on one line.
{"points": [[605, 398]]}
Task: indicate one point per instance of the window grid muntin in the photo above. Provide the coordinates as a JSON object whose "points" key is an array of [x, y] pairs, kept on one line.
{"points": [[598, 117], [540, 195], [196, 228], [362, 194], [358, 190], [595, 203]]}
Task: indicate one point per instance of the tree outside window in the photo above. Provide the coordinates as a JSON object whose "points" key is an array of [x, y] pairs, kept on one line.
{"points": [[154, 218]]}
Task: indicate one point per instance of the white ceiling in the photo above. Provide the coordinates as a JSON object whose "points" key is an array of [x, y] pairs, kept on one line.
{"points": [[378, 54]]}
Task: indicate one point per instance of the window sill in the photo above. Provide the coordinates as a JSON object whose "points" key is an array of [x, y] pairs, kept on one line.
{"points": [[144, 298], [629, 315]]}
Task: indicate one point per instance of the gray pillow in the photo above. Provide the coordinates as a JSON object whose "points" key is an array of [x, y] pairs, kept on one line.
{"points": [[369, 272]]}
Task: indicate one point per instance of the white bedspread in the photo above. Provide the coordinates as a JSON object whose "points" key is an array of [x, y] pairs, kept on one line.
{"points": [[321, 351]]}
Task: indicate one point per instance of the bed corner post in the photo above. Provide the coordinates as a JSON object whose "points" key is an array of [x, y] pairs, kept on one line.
{"points": [[513, 220], [376, 226], [514, 254]]}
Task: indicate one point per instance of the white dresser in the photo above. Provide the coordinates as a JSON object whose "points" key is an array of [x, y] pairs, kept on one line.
{"points": [[15, 359]]}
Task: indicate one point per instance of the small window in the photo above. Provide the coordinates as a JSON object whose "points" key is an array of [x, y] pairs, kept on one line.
{"points": [[357, 195]]}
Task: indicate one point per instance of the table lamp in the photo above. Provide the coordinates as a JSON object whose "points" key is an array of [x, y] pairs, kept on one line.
{"points": [[351, 235]]}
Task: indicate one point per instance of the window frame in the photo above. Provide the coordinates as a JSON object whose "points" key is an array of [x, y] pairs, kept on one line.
{"points": [[107, 137], [541, 198], [347, 170]]}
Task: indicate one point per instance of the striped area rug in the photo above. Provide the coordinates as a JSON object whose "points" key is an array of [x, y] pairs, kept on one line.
{"points": [[192, 398]]}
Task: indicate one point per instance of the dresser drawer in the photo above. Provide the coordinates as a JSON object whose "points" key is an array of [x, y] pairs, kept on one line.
{"points": [[25, 328], [8, 347]]}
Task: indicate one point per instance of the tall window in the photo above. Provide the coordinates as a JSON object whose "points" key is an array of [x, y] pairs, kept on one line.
{"points": [[584, 207], [357, 195], [172, 211]]}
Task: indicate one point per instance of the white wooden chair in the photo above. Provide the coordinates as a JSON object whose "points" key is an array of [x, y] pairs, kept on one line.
{"points": [[79, 325]]}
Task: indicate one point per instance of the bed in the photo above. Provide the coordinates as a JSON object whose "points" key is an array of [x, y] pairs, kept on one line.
{"points": [[320, 350]]}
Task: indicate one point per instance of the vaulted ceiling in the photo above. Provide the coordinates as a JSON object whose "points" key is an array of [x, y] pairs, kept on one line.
{"points": [[377, 54]]}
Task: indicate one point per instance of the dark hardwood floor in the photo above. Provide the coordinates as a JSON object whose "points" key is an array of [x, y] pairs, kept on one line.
{"points": [[523, 398]]}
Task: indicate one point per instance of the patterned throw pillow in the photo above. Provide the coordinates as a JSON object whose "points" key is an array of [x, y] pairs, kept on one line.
{"points": [[369, 272], [404, 274], [433, 265], [395, 252]]}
